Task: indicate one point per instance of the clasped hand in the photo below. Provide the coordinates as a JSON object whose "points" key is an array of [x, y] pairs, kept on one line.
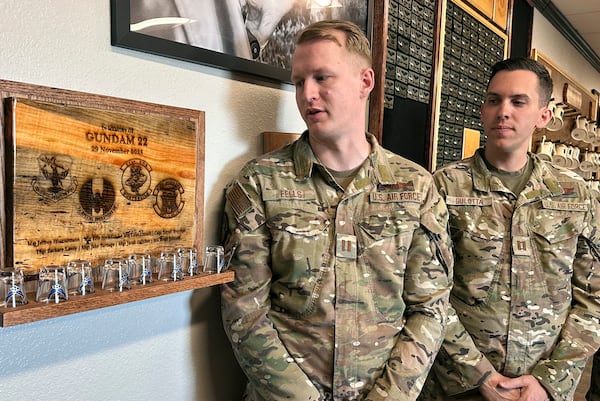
{"points": [[522, 388]]}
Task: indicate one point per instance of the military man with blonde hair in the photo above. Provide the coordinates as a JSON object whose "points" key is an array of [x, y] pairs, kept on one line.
{"points": [[340, 250]]}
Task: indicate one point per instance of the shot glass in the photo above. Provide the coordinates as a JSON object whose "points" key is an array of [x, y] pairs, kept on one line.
{"points": [[115, 275], [156, 256], [214, 259], [188, 259], [12, 292], [170, 266], [140, 268], [52, 285], [79, 277]]}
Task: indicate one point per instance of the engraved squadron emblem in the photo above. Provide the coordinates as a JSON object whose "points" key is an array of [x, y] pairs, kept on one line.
{"points": [[97, 199], [135, 181], [168, 202], [56, 182]]}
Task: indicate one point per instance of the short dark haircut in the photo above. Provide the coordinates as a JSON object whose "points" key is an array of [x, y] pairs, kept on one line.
{"points": [[545, 84]]}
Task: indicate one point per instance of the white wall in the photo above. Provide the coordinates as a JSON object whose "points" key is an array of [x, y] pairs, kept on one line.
{"points": [[552, 44], [171, 347], [166, 348]]}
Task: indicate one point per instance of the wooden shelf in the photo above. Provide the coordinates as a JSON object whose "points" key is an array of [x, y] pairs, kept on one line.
{"points": [[35, 311]]}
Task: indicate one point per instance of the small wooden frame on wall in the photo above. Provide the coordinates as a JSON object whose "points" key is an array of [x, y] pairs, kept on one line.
{"points": [[275, 140], [94, 177]]}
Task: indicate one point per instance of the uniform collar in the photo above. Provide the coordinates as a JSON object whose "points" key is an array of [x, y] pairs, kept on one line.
{"points": [[545, 180], [305, 160]]}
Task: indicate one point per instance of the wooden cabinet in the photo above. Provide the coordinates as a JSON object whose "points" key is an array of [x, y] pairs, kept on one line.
{"points": [[495, 10], [486, 7], [501, 13], [436, 56], [574, 143], [471, 46]]}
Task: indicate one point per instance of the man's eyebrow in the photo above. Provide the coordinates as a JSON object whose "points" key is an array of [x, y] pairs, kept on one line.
{"points": [[515, 96]]}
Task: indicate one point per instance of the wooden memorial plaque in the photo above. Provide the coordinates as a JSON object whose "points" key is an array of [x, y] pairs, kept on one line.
{"points": [[96, 181]]}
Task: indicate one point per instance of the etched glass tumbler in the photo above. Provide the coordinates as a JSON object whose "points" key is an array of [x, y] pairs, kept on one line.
{"points": [[52, 285]]}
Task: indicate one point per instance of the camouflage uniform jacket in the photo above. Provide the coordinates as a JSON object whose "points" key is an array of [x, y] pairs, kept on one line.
{"points": [[338, 295], [526, 286]]}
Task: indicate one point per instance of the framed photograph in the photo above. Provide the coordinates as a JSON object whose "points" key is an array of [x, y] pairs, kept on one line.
{"points": [[247, 36]]}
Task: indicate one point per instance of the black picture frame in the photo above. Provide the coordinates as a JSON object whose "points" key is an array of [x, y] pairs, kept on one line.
{"points": [[123, 36]]}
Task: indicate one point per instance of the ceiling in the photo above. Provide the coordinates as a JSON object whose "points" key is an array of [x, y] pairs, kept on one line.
{"points": [[579, 21]]}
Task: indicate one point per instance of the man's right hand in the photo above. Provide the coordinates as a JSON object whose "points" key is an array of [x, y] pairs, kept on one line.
{"points": [[491, 390]]}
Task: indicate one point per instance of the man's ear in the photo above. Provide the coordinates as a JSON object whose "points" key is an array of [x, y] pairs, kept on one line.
{"points": [[545, 116], [368, 81]]}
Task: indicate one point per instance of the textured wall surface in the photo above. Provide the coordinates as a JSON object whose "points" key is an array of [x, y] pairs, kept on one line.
{"points": [[166, 348], [171, 347], [555, 47]]}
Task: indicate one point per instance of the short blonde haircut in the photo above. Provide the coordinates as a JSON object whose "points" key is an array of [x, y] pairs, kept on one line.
{"points": [[356, 41]]}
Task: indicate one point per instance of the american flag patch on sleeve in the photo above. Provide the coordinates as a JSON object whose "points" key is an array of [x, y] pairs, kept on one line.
{"points": [[239, 199]]}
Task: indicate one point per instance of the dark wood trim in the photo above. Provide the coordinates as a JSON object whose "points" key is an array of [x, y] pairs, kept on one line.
{"points": [[521, 29], [509, 25], [378, 49], [35, 311]]}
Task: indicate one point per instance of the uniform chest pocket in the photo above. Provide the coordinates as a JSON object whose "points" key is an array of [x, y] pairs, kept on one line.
{"points": [[384, 223], [384, 237], [298, 242], [478, 237], [556, 233], [556, 226], [295, 218]]}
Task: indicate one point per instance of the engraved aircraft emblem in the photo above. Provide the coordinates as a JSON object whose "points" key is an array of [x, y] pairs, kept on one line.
{"points": [[55, 182], [168, 202], [97, 199]]}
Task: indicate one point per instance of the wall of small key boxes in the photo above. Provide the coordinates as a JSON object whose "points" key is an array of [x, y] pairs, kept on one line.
{"points": [[471, 48], [469, 44], [411, 39], [571, 138]]}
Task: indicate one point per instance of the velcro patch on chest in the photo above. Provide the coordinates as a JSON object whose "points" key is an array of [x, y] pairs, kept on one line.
{"points": [[287, 194], [568, 206], [396, 196], [469, 200]]}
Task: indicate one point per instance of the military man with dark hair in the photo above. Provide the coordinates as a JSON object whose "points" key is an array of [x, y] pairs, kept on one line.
{"points": [[525, 314]]}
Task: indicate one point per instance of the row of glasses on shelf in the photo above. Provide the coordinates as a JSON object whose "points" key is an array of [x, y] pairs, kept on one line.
{"points": [[56, 283]]}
